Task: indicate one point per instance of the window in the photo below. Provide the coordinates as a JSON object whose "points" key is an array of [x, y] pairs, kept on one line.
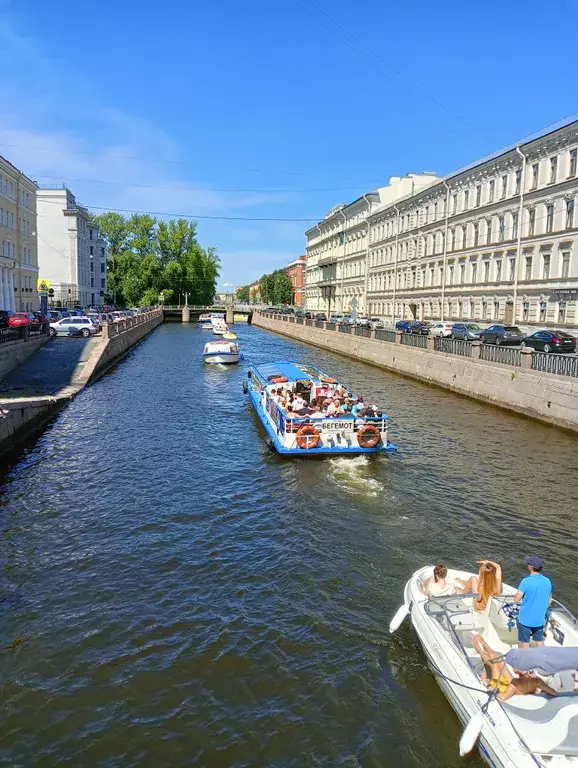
{"points": [[450, 274], [478, 196], [528, 274], [451, 240], [514, 226], [512, 269], [92, 266], [102, 282], [518, 182], [103, 267], [525, 311], [462, 273], [427, 214], [92, 282], [504, 186], [489, 231], [102, 253], [572, 165], [501, 229], [497, 310], [476, 233], [435, 213], [464, 235], [492, 191], [486, 271], [474, 272], [549, 217], [543, 311], [454, 203], [569, 214], [535, 174], [565, 264], [531, 221], [498, 271], [466, 200], [553, 169], [90, 234], [546, 266], [561, 311]]}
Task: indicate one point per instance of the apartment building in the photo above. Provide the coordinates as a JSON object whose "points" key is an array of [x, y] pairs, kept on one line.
{"points": [[18, 241], [72, 253], [496, 241], [295, 270], [338, 247]]}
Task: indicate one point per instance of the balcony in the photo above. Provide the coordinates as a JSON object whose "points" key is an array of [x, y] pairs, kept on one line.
{"points": [[326, 261]]}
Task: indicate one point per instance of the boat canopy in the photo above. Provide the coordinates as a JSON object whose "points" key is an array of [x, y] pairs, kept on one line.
{"points": [[543, 659], [291, 371]]}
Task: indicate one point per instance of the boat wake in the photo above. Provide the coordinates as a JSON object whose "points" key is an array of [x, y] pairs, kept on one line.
{"points": [[353, 474]]}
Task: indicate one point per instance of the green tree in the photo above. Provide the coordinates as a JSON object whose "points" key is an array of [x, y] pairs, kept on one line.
{"points": [[242, 294], [282, 287], [114, 229]]}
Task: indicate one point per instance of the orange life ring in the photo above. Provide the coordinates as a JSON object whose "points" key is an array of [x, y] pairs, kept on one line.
{"points": [[308, 437], [328, 380], [278, 379], [368, 436]]}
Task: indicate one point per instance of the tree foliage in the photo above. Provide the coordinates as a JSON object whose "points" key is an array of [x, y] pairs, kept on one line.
{"points": [[243, 294], [276, 288], [150, 258]]}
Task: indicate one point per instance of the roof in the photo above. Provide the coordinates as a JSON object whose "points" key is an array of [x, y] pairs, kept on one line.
{"points": [[292, 371]]}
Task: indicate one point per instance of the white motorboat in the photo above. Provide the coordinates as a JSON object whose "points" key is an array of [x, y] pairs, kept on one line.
{"points": [[221, 351], [220, 327], [524, 731]]}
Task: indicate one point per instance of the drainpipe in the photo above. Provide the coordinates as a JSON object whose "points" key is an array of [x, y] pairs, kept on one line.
{"points": [[520, 226], [342, 263], [445, 250], [395, 265], [366, 281]]}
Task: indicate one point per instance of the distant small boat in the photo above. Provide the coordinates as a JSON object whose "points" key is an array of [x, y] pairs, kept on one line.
{"points": [[220, 327], [229, 335], [221, 351]]}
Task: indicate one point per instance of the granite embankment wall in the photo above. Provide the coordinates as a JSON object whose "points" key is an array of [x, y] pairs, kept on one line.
{"points": [[547, 397], [16, 351], [24, 415]]}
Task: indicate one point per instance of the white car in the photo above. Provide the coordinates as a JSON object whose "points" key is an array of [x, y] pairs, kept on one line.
{"points": [[442, 329], [72, 326], [375, 323]]}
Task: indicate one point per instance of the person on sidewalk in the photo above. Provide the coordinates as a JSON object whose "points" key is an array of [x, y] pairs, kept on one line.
{"points": [[535, 595]]}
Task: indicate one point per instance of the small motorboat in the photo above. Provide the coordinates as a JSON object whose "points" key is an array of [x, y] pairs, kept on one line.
{"points": [[221, 351], [229, 335], [219, 326], [312, 433], [524, 731]]}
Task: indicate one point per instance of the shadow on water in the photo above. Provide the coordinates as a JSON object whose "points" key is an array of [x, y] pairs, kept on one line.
{"points": [[188, 597]]}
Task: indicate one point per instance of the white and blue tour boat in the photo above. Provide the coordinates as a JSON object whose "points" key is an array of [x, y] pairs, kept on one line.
{"points": [[311, 432], [221, 352]]}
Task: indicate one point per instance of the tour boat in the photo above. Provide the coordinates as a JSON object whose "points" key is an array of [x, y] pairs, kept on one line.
{"points": [[310, 435], [204, 318], [524, 731], [220, 327], [221, 351]]}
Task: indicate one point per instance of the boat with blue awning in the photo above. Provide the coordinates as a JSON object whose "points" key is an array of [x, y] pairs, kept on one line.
{"points": [[306, 412]]}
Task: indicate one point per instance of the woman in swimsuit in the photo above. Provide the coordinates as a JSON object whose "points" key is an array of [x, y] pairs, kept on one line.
{"points": [[487, 584]]}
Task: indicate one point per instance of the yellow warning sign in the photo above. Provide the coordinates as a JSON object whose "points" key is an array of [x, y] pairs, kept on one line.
{"points": [[42, 285]]}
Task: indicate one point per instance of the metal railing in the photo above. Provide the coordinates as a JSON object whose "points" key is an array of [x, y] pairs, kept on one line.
{"points": [[504, 355], [362, 331], [299, 320], [319, 323], [9, 334], [412, 340], [120, 326], [309, 322], [343, 328], [384, 335], [562, 365], [452, 346], [331, 326]]}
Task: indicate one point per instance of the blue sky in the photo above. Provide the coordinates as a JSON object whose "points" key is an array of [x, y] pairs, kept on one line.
{"points": [[269, 109]]}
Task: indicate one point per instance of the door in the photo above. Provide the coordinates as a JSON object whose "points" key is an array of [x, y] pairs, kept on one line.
{"points": [[509, 313]]}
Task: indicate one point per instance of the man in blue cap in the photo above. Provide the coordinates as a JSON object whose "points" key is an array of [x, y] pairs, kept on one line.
{"points": [[535, 594]]}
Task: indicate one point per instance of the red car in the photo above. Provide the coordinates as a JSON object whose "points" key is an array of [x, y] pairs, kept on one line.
{"points": [[18, 319]]}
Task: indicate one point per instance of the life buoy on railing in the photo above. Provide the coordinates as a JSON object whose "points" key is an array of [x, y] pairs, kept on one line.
{"points": [[308, 437], [368, 436], [278, 379], [328, 380]]}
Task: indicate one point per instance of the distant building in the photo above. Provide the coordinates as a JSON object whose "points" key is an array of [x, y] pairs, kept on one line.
{"points": [[296, 272], [18, 241], [72, 254], [255, 292]]}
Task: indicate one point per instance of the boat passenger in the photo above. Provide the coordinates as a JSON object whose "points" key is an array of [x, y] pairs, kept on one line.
{"points": [[487, 584], [359, 406], [298, 403], [437, 585], [498, 676], [535, 595], [335, 408]]}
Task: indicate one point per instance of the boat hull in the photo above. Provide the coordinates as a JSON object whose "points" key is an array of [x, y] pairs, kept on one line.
{"points": [[221, 358]]}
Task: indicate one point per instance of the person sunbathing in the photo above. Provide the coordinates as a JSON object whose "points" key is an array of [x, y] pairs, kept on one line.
{"points": [[497, 675]]}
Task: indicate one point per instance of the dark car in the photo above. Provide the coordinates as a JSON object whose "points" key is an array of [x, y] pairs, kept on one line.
{"points": [[403, 325], [502, 334], [420, 327], [466, 331], [550, 341], [321, 316], [4, 318]]}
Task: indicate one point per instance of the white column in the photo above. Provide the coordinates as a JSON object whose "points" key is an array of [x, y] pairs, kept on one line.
{"points": [[12, 288], [2, 305]]}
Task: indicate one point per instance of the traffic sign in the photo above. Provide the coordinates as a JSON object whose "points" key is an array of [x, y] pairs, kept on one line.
{"points": [[42, 286]]}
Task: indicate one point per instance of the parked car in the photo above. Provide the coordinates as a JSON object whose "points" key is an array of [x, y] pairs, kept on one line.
{"points": [[375, 323], [39, 318], [403, 325], [309, 315], [335, 318], [96, 319], [442, 329], [420, 327], [54, 315], [18, 319], [363, 322], [4, 318], [550, 341], [71, 325], [466, 331], [502, 334], [321, 316]]}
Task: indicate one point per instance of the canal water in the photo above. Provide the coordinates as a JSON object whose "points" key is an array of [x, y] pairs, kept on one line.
{"points": [[173, 593]]}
